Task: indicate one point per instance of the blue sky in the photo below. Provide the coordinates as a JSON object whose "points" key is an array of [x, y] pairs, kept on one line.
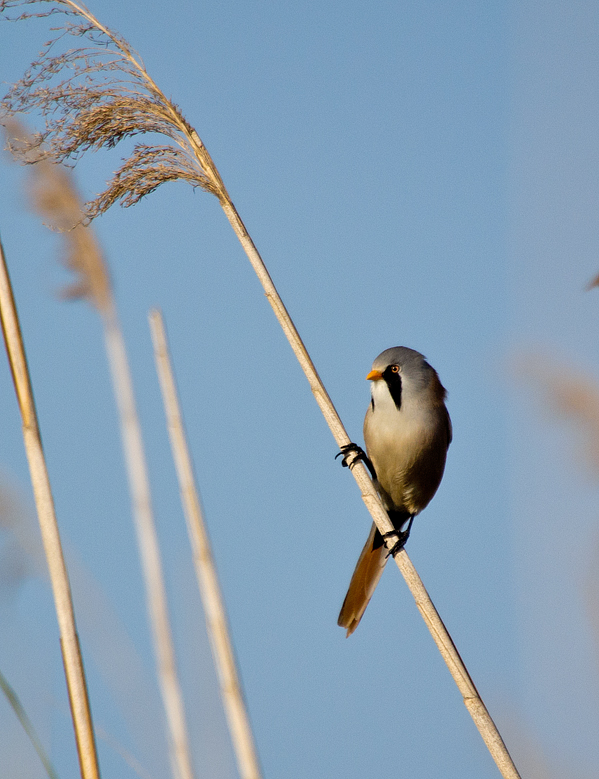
{"points": [[421, 174]]}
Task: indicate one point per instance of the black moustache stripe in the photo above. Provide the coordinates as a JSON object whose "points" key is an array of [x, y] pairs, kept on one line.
{"points": [[393, 381]]}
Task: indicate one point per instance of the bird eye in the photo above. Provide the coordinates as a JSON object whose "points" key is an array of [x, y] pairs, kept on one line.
{"points": [[395, 368]]}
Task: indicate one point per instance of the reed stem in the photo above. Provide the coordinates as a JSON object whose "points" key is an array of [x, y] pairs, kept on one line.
{"points": [[149, 549], [214, 607], [472, 700], [69, 641], [21, 715]]}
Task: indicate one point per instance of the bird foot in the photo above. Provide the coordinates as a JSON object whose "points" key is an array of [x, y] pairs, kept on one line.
{"points": [[401, 535], [352, 453], [400, 543]]}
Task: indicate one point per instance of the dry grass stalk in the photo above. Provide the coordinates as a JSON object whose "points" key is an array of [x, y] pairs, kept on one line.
{"points": [[110, 96], [69, 641], [214, 607], [55, 197]]}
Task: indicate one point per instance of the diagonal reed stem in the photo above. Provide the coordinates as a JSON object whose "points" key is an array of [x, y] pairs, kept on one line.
{"points": [[472, 700], [214, 607], [69, 641]]}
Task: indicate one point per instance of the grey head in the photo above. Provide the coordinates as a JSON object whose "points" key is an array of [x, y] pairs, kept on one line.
{"points": [[407, 371], [399, 355], [413, 367]]}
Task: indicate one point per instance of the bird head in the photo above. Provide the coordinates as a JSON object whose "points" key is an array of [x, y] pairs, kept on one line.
{"points": [[406, 373]]}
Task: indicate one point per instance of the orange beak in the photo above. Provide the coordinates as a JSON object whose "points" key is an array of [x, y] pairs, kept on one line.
{"points": [[374, 376]]}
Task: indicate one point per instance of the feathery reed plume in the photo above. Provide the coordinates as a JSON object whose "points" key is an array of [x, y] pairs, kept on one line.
{"points": [[574, 396], [21, 714], [214, 607], [593, 283], [69, 641], [22, 553], [108, 96], [56, 199], [571, 394]]}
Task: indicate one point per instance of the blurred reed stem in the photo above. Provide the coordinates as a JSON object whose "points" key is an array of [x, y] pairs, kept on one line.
{"points": [[69, 641], [55, 197], [149, 550], [214, 607], [21, 715]]}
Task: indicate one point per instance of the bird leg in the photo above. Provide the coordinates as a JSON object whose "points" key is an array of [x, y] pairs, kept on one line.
{"points": [[401, 535], [358, 454]]}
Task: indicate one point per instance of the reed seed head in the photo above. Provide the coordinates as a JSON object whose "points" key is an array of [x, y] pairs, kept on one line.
{"points": [[54, 196], [93, 96]]}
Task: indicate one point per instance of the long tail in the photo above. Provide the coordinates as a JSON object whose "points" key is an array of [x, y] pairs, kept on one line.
{"points": [[363, 582]]}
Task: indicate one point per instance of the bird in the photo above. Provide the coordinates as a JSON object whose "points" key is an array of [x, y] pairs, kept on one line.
{"points": [[407, 431]]}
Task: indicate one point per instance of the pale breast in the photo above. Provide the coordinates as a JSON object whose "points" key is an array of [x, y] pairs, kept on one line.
{"points": [[408, 449]]}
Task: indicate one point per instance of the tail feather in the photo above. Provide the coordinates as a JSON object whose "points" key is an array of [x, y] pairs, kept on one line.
{"points": [[363, 583]]}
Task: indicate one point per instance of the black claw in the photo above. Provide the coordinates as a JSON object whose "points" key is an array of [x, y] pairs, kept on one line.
{"points": [[352, 453], [401, 535], [399, 545]]}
